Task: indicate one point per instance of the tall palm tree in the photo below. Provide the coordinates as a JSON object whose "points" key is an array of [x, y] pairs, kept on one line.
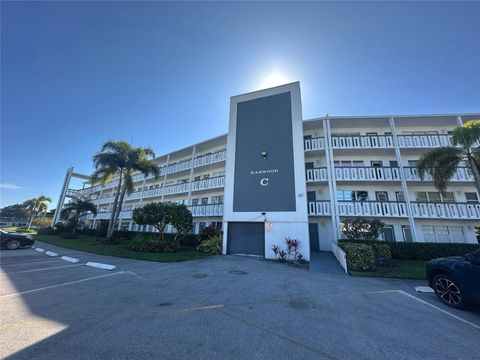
{"points": [[36, 206], [119, 160], [76, 208], [442, 163]]}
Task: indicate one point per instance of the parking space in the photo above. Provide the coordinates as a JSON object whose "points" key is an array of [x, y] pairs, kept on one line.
{"points": [[222, 307]]}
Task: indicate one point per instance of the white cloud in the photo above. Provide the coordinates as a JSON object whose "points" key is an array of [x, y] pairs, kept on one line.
{"points": [[10, 186]]}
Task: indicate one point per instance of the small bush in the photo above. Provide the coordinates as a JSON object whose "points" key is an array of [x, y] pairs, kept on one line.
{"points": [[212, 245], [383, 255], [47, 231], [360, 257], [153, 243], [208, 232], [66, 235], [360, 228]]}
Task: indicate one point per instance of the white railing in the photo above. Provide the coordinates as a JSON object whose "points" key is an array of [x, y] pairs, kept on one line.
{"points": [[206, 210], [360, 173], [105, 215], [362, 142], [316, 174], [319, 207], [424, 141], [446, 210], [180, 166], [210, 158], [462, 174], [340, 256], [372, 208], [210, 183], [314, 144], [102, 200]]}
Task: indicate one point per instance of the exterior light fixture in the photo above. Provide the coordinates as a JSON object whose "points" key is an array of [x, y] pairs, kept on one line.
{"points": [[264, 154]]}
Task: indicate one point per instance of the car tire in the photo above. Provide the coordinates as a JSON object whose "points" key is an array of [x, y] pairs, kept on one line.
{"points": [[13, 244], [448, 291]]}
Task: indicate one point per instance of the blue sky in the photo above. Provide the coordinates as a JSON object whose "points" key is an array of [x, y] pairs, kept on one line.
{"points": [[75, 74]]}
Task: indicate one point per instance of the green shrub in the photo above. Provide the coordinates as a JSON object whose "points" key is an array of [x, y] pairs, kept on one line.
{"points": [[362, 228], [212, 245], [360, 257], [154, 243], [383, 255], [47, 231], [420, 251], [208, 232], [66, 235]]}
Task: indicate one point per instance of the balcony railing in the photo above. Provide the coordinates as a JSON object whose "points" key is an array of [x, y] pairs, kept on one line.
{"points": [[105, 215], [180, 166], [206, 210], [362, 142], [462, 174], [367, 173], [319, 208], [317, 143], [424, 141], [372, 208], [210, 158], [446, 210], [210, 183], [316, 174]]}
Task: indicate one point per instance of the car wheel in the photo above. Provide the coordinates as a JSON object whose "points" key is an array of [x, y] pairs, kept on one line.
{"points": [[448, 291], [13, 244]]}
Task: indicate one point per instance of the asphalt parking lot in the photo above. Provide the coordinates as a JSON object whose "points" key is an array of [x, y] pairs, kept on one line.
{"points": [[220, 307]]}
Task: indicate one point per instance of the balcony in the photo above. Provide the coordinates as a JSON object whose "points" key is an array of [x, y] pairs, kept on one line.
{"points": [[210, 183], [314, 144], [210, 158], [319, 208], [362, 142], [316, 174], [367, 173], [372, 208], [462, 174], [446, 210], [180, 166], [206, 210], [105, 215], [424, 141]]}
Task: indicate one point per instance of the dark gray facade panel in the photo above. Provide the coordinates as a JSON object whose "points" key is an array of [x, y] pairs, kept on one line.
{"points": [[246, 238], [264, 124]]}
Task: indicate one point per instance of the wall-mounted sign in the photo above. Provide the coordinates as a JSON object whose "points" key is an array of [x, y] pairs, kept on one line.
{"points": [[264, 169], [268, 226]]}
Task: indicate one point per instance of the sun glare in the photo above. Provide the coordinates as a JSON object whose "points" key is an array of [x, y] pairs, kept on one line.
{"points": [[274, 79]]}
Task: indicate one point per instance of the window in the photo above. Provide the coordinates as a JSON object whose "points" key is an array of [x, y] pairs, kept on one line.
{"points": [[400, 196], [407, 234], [388, 233], [434, 196], [349, 195], [196, 178], [471, 197], [393, 163], [205, 201], [348, 163], [201, 226], [412, 163], [381, 195], [443, 234], [194, 201], [206, 176]]}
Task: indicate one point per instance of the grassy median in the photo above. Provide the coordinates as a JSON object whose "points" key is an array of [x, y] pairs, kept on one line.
{"points": [[90, 244], [402, 269]]}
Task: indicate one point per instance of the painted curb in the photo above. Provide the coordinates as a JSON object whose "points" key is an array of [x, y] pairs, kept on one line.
{"points": [[101, 266], [424, 289], [40, 250], [70, 259], [51, 253]]}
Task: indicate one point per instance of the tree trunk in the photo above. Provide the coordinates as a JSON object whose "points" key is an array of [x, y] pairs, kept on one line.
{"points": [[30, 222], [111, 224], [120, 203], [161, 230], [475, 172], [75, 224]]}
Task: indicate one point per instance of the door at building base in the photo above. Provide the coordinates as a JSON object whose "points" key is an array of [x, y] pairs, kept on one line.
{"points": [[313, 234], [246, 238]]}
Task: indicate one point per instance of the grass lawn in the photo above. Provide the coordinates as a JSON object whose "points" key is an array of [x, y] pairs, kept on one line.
{"points": [[20, 230], [89, 244], [404, 269]]}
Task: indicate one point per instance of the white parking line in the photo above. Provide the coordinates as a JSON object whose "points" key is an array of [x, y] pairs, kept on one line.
{"points": [[51, 253], [42, 269], [440, 309], [70, 259], [63, 284]]}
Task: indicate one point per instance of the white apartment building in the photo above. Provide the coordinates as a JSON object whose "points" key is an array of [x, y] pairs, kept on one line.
{"points": [[341, 166]]}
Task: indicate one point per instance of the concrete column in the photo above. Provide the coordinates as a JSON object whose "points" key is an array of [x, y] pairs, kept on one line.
{"points": [[165, 177], [332, 186], [189, 196], [398, 155], [61, 198]]}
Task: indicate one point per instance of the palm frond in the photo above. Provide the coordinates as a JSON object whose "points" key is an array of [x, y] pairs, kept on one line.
{"points": [[441, 164], [466, 135], [129, 183]]}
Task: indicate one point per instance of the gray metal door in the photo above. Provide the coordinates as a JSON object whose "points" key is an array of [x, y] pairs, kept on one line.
{"points": [[313, 232], [246, 238]]}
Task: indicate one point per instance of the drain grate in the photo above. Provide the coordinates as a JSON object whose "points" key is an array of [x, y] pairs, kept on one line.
{"points": [[199, 276], [237, 272]]}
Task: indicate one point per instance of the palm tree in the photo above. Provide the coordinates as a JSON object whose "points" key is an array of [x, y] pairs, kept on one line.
{"points": [[76, 208], [442, 163], [36, 206], [118, 160]]}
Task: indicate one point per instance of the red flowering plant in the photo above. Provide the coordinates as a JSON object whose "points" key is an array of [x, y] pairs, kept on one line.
{"points": [[292, 253]]}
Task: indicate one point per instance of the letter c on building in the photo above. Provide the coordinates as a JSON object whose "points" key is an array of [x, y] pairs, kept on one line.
{"points": [[264, 182]]}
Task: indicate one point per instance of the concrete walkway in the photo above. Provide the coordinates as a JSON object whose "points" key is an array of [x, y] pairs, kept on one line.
{"points": [[324, 262]]}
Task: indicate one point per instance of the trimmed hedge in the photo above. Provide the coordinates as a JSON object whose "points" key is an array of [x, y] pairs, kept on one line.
{"points": [[69, 236], [383, 254], [360, 257], [152, 243], [420, 251]]}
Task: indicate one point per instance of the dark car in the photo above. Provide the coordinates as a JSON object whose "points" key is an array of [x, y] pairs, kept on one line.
{"points": [[13, 240], [456, 280]]}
